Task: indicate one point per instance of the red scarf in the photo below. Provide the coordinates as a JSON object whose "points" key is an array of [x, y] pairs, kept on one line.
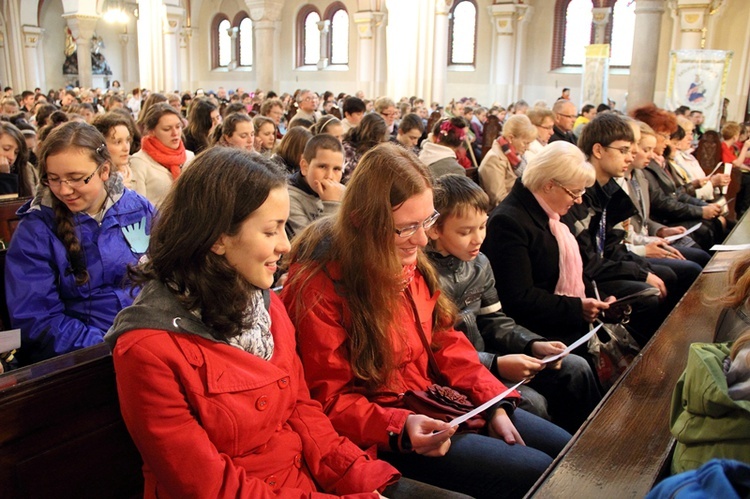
{"points": [[171, 159], [510, 153]]}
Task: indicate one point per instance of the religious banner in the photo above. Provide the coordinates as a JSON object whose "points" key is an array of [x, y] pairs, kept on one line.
{"points": [[595, 77], [697, 79]]}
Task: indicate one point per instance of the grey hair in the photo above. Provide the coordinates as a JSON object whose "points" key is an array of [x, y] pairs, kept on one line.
{"points": [[519, 125], [560, 161]]}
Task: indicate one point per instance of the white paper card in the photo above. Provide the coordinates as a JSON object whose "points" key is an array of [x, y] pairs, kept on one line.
{"points": [[680, 236], [485, 406]]}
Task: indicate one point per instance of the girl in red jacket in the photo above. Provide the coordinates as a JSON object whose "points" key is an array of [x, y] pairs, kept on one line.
{"points": [[210, 385], [358, 284]]}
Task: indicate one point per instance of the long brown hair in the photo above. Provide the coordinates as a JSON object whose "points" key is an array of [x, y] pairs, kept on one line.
{"points": [[361, 240], [738, 291], [214, 196]]}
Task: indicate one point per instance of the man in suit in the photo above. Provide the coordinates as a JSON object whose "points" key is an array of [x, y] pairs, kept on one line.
{"points": [[565, 117]]}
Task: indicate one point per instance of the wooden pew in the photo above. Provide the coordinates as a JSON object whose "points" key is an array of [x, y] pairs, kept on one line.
{"points": [[8, 217], [625, 446], [61, 433]]}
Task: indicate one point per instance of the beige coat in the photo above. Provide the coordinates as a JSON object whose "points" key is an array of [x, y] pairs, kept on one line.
{"points": [[150, 179], [496, 175]]}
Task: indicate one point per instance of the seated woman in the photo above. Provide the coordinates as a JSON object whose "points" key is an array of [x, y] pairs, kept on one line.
{"points": [[702, 187], [735, 317], [203, 118], [439, 151], [364, 299], [536, 260], [162, 156], [17, 175], [504, 163], [210, 384], [544, 121], [265, 135], [370, 132], [329, 124], [236, 130], [116, 130], [69, 254], [291, 147]]}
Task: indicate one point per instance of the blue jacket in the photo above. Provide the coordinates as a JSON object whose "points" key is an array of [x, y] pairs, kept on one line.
{"points": [[56, 316]]}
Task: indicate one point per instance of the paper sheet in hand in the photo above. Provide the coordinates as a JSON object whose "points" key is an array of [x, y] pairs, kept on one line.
{"points": [[485, 406], [580, 341], [680, 236], [10, 340], [730, 247]]}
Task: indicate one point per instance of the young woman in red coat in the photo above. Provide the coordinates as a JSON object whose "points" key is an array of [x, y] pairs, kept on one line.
{"points": [[355, 284], [210, 384]]}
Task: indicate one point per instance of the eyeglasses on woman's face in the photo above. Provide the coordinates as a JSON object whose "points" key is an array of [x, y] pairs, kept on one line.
{"points": [[73, 183], [575, 195], [407, 232]]}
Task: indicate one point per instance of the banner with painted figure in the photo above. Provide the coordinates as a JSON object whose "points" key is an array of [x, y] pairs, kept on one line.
{"points": [[698, 79], [595, 77]]}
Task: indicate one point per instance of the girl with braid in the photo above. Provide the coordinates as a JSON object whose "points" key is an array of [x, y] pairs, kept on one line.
{"points": [[68, 257]]}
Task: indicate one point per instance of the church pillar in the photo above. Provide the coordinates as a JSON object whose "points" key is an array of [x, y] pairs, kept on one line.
{"points": [[233, 32], [369, 36], [32, 36], [642, 81], [150, 30], [440, 53], [265, 15], [324, 27], [601, 17], [691, 23], [124, 39], [505, 63], [82, 28], [186, 68], [172, 69], [4, 70]]}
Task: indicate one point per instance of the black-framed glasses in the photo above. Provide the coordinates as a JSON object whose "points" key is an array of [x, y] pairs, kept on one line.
{"points": [[623, 150], [73, 183], [409, 231], [575, 195]]}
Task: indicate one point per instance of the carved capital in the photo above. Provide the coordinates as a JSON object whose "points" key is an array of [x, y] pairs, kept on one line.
{"points": [[503, 17], [367, 22], [324, 26], [82, 27], [443, 7], [124, 38], [31, 36], [265, 10], [601, 15]]}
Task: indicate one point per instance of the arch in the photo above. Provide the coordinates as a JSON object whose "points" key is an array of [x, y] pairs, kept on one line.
{"points": [[308, 38], [462, 33], [244, 41], [338, 39], [220, 41]]}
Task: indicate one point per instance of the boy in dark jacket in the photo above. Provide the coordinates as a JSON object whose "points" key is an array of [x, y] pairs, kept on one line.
{"points": [[509, 351]]}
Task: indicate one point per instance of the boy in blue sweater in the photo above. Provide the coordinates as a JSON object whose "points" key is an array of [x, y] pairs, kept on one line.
{"points": [[567, 390]]}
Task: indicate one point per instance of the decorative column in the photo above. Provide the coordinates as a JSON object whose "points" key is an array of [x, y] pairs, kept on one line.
{"points": [[324, 27], [82, 28], [642, 81], [186, 78], [601, 17], [691, 22], [265, 15], [367, 24], [150, 44], [4, 70], [504, 64], [31, 41], [233, 32], [440, 54], [124, 39], [172, 69]]}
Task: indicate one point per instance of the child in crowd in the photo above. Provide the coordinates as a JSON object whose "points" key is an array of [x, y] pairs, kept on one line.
{"points": [[315, 190], [510, 351], [70, 252]]}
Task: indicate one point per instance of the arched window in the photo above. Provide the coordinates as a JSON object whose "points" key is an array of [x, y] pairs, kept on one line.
{"points": [[578, 18], [308, 36], [220, 42], [623, 26], [245, 43], [462, 34], [338, 39]]}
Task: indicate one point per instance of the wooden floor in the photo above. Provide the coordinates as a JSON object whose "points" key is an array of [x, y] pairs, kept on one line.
{"points": [[624, 447]]}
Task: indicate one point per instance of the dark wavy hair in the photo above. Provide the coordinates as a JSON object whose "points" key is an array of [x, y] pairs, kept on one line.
{"points": [[222, 187], [369, 133]]}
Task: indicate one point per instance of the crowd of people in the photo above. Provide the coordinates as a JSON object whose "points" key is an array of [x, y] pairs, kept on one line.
{"points": [[318, 260]]}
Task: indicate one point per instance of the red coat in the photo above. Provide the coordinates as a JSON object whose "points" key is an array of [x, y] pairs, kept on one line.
{"points": [[211, 420], [367, 418]]}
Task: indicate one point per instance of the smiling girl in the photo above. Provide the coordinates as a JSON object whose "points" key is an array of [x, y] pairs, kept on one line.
{"points": [[69, 254]]}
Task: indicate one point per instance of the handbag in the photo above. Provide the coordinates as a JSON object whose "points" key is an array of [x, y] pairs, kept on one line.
{"points": [[439, 402], [613, 349]]}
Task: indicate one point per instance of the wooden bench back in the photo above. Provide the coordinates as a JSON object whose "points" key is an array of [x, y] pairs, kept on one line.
{"points": [[492, 130], [8, 217]]}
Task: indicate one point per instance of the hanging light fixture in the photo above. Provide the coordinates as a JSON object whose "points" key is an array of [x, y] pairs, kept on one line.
{"points": [[114, 13]]}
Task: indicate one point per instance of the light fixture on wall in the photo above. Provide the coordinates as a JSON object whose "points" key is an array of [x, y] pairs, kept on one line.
{"points": [[114, 13]]}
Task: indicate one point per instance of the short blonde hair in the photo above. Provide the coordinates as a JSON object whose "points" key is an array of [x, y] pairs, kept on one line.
{"points": [[685, 124], [520, 126], [560, 161]]}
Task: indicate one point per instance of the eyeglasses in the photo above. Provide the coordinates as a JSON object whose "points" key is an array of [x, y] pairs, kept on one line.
{"points": [[575, 195], [546, 127], [569, 116], [73, 183], [623, 150], [409, 231]]}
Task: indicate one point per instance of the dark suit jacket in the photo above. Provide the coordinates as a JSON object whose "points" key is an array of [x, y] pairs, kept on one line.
{"points": [[560, 135], [524, 257]]}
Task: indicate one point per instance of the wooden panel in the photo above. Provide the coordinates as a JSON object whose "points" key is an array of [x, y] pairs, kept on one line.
{"points": [[624, 447], [61, 432], [8, 217]]}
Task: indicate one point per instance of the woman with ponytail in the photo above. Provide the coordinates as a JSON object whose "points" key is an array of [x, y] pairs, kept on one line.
{"points": [[162, 156], [68, 257]]}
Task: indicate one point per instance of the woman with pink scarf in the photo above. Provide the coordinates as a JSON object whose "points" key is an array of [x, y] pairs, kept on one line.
{"points": [[535, 257]]}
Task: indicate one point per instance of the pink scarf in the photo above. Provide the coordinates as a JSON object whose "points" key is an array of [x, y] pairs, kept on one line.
{"points": [[570, 281]]}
